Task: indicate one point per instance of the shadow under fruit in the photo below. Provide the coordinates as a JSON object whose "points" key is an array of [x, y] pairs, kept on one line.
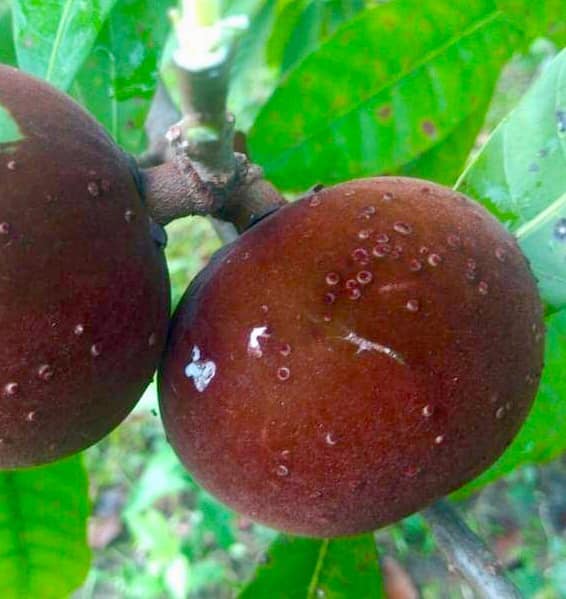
{"points": [[84, 292], [353, 357]]}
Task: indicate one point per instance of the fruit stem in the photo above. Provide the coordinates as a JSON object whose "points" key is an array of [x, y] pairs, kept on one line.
{"points": [[467, 554], [203, 175]]}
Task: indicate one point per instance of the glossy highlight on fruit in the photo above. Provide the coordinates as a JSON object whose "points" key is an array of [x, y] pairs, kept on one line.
{"points": [[353, 357], [84, 293]]}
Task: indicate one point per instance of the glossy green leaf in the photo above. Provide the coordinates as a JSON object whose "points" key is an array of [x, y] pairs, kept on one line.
{"points": [[43, 513], [541, 18], [53, 38], [7, 50], [252, 81], [119, 78], [382, 91], [304, 24], [298, 568], [520, 176], [543, 435]]}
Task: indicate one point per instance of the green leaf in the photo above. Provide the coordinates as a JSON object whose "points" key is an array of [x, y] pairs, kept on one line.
{"points": [[9, 130], [298, 568], [119, 78], [251, 79], [43, 513], [303, 25], [520, 176], [541, 18], [382, 91], [7, 50], [54, 38], [543, 436]]}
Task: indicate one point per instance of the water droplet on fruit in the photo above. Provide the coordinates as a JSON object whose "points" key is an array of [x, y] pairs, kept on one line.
{"points": [[285, 453], [364, 277], [483, 287], [382, 238], [500, 254], [329, 298], [152, 339], [423, 250], [95, 350], [11, 165], [413, 305], [11, 389], [332, 278], [360, 255], [560, 229], [78, 330], [45, 372], [381, 250], [5, 228], [129, 216], [387, 196], [364, 234], [283, 373], [367, 212], [439, 439], [285, 349], [330, 439], [500, 412], [93, 189], [282, 470], [264, 308], [327, 318], [354, 294], [427, 411], [454, 241], [31, 416], [415, 265], [402, 228], [434, 259]]}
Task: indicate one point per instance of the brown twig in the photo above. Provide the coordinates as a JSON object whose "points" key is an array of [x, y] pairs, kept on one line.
{"points": [[467, 554]]}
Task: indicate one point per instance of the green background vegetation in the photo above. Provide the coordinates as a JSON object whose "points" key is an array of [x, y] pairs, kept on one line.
{"points": [[326, 90]]}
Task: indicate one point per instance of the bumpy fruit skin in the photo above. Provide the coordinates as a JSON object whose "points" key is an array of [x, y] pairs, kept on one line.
{"points": [[353, 357], [84, 293]]}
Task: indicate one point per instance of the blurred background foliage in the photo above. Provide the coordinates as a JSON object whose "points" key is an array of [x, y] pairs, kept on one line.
{"points": [[325, 90]]}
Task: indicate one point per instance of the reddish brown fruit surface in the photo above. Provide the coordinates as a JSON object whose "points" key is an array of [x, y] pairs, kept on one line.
{"points": [[353, 357], [84, 292]]}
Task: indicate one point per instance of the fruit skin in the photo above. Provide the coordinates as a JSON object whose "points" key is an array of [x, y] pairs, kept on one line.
{"points": [[84, 293], [391, 399]]}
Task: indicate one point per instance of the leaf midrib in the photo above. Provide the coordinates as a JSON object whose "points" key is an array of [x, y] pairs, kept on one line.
{"points": [[317, 569], [61, 29], [390, 83]]}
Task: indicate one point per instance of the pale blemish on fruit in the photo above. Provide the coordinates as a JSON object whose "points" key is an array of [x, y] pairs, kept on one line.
{"points": [[371, 346], [201, 371], [254, 346]]}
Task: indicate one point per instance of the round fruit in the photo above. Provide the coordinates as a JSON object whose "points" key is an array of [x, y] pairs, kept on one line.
{"points": [[353, 357], [84, 294]]}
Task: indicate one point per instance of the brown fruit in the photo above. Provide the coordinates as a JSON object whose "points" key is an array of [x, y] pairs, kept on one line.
{"points": [[84, 294], [353, 357]]}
